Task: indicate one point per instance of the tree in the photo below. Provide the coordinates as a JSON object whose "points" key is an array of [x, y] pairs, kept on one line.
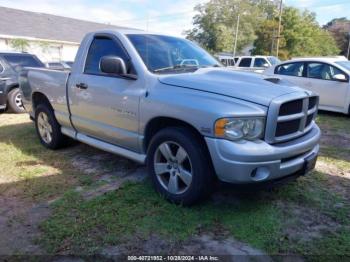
{"points": [[339, 28], [215, 24], [265, 43], [300, 36], [20, 44]]}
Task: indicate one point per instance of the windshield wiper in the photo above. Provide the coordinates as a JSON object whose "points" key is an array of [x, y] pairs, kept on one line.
{"points": [[176, 68], [183, 67]]}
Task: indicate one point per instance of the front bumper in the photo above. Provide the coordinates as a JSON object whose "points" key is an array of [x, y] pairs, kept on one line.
{"points": [[257, 161]]}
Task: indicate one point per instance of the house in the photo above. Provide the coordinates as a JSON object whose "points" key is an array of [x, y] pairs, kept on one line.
{"points": [[50, 37]]}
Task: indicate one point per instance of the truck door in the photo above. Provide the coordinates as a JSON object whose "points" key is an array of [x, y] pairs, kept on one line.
{"points": [[103, 106]]}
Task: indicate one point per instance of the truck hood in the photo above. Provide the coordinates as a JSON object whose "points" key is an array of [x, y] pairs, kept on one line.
{"points": [[246, 86]]}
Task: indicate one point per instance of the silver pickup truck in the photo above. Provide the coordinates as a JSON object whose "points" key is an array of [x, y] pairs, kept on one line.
{"points": [[165, 102]]}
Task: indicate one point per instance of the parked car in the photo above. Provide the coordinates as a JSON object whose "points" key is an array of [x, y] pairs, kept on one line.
{"points": [[227, 60], [11, 64], [326, 76], [255, 64], [133, 93], [62, 65]]}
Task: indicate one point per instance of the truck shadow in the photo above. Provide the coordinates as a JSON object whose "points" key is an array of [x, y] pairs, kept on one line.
{"points": [[64, 166]]}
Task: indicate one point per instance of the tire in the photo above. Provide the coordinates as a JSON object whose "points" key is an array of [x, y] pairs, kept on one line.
{"points": [[15, 101], [45, 122], [181, 189]]}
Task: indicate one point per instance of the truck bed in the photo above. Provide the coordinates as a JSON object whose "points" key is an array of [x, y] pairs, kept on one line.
{"points": [[52, 83]]}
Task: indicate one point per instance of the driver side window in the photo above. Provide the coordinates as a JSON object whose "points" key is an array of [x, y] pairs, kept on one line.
{"points": [[100, 47]]}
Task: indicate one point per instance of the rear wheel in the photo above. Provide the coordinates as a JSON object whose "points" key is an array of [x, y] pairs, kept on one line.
{"points": [[179, 166], [15, 101], [47, 127]]}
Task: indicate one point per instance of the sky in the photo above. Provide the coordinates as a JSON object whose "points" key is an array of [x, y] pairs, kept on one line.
{"points": [[168, 16]]}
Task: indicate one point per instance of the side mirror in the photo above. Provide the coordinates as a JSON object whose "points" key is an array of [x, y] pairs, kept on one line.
{"points": [[340, 78], [266, 65], [113, 65]]}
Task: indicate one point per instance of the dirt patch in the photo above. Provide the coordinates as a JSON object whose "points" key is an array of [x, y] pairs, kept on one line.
{"points": [[208, 244], [338, 180], [113, 171], [335, 140], [114, 182], [332, 170], [19, 226], [140, 245], [92, 161], [205, 244], [305, 224]]}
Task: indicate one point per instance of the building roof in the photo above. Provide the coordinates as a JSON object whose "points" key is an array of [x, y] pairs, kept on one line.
{"points": [[19, 23]]}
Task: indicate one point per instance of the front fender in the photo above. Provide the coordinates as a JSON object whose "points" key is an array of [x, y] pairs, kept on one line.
{"points": [[197, 108]]}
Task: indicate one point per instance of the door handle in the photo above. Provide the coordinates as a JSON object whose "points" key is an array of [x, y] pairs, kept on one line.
{"points": [[4, 78], [82, 86]]}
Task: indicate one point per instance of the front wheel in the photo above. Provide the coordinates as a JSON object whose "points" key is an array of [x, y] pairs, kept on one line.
{"points": [[15, 101], [179, 166]]}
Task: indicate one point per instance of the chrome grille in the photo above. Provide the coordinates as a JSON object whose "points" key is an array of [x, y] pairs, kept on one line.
{"points": [[290, 116]]}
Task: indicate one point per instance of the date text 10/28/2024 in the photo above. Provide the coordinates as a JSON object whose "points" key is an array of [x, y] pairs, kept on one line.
{"points": [[173, 258]]}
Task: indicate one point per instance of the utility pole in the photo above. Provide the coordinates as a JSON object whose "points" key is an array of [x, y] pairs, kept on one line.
{"points": [[236, 37], [272, 41], [348, 47], [279, 29]]}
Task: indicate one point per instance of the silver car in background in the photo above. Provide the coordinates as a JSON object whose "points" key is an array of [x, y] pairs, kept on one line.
{"points": [[326, 76]]}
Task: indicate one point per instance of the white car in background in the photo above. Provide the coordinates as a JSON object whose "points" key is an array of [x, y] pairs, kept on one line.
{"points": [[257, 64], [326, 76], [227, 60]]}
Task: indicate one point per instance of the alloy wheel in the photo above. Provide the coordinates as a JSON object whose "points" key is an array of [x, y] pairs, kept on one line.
{"points": [[44, 127], [173, 167], [18, 101]]}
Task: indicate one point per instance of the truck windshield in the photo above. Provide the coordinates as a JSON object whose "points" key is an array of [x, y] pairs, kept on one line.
{"points": [[166, 54], [18, 62]]}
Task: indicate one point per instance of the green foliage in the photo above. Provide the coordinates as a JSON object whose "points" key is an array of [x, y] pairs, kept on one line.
{"points": [[304, 36], [339, 28], [20, 44], [300, 36], [265, 43], [215, 29], [215, 25]]}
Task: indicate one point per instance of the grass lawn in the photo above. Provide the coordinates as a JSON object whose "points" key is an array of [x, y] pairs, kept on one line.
{"points": [[308, 216]]}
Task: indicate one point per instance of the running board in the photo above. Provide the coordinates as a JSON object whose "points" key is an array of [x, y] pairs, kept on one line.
{"points": [[140, 158]]}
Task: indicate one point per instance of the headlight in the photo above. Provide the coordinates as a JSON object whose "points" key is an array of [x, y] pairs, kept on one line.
{"points": [[249, 128]]}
